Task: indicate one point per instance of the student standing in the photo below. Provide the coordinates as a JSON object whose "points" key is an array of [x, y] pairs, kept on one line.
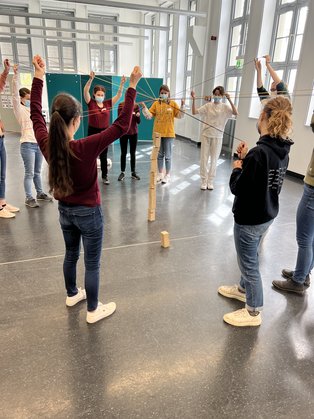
{"points": [[73, 180], [256, 182], [6, 210], [130, 137], [30, 151], [298, 280], [99, 115], [215, 115], [164, 110]]}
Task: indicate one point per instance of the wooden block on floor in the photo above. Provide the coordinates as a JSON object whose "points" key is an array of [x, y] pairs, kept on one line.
{"points": [[151, 215], [152, 199], [165, 239], [156, 139]]}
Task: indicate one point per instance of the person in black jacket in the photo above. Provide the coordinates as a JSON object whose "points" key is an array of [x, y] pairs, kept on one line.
{"points": [[256, 182]]}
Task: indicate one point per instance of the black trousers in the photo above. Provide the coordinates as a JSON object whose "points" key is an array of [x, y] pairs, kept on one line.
{"points": [[124, 149], [103, 154]]}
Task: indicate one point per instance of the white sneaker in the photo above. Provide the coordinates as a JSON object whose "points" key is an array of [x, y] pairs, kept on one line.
{"points": [[210, 186], [166, 179], [160, 177], [102, 311], [203, 187], [4, 213], [242, 318], [11, 208], [80, 296], [232, 291]]}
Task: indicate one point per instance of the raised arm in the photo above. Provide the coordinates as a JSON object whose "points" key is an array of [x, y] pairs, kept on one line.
{"points": [[146, 113], [258, 67], [119, 93], [194, 110], [234, 109], [16, 96], [272, 72], [180, 113], [39, 123], [4, 74], [87, 86]]}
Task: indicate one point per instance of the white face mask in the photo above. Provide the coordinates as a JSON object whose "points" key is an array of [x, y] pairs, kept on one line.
{"points": [[217, 99], [100, 99], [163, 96]]}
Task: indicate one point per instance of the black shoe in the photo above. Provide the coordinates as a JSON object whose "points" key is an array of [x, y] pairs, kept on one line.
{"points": [[121, 176], [289, 275], [43, 197], [289, 286], [135, 176], [105, 180]]}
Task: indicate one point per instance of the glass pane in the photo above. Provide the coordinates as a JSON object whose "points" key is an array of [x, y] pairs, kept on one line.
{"points": [[5, 19], [20, 21], [292, 76], [94, 27], [67, 25], [109, 61], [284, 24], [234, 52], [287, 1], [193, 5], [297, 47], [302, 20], [169, 66], [190, 50], [6, 50], [95, 59], [188, 90], [192, 21], [238, 10], [231, 85], [51, 23], [53, 57], [23, 54], [68, 57], [281, 49], [169, 52], [236, 35], [189, 63]]}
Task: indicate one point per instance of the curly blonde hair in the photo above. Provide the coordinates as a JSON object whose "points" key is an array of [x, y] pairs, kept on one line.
{"points": [[278, 114]]}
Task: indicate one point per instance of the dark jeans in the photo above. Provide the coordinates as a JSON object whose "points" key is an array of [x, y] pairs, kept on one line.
{"points": [[87, 223], [3, 165], [124, 149], [103, 154]]}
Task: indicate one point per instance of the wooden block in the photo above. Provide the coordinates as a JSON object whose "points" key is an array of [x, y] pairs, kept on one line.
{"points": [[153, 166], [156, 139], [151, 215], [152, 199], [165, 239], [154, 153], [152, 180]]}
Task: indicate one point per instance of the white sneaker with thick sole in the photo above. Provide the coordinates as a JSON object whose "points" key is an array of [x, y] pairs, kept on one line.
{"points": [[210, 186], [166, 179], [203, 187], [160, 177], [242, 318], [102, 311], [80, 296], [232, 291], [11, 208], [6, 214]]}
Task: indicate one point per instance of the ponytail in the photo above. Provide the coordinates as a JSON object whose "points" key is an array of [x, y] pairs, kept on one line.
{"points": [[278, 113]]}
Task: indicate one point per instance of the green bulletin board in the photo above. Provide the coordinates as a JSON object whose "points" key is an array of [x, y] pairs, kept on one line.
{"points": [[74, 85]]}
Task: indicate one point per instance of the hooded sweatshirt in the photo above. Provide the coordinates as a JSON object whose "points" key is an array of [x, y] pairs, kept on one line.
{"points": [[257, 185]]}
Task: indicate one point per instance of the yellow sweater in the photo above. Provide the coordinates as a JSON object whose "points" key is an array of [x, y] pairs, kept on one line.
{"points": [[164, 114]]}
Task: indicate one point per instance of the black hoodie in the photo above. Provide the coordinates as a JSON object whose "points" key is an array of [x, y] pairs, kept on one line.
{"points": [[257, 185]]}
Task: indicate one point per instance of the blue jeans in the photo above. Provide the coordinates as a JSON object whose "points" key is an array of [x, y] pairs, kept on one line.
{"points": [[3, 166], [165, 152], [305, 235], [32, 159], [247, 239], [87, 223]]}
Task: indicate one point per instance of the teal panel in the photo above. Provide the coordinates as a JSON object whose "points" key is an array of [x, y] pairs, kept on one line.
{"points": [[65, 83]]}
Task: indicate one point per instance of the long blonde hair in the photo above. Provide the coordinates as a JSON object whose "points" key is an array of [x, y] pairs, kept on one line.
{"points": [[278, 115]]}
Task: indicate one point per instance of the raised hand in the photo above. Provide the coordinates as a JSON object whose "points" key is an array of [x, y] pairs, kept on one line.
{"points": [[192, 94], [123, 80], [227, 95], [135, 76], [40, 67], [258, 64], [16, 68], [237, 164], [142, 104], [92, 75], [242, 150], [6, 64], [182, 102], [267, 58]]}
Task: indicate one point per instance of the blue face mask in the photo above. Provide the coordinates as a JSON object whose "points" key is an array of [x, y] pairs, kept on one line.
{"points": [[27, 103], [163, 96], [217, 99], [99, 99]]}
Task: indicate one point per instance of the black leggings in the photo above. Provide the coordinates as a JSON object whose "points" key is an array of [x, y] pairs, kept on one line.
{"points": [[124, 149], [103, 154]]}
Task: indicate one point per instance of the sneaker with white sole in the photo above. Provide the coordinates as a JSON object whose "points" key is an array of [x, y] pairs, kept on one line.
{"points": [[210, 186], [11, 208], [203, 187], [102, 311], [80, 296], [242, 318], [31, 202], [165, 179], [232, 291], [160, 177]]}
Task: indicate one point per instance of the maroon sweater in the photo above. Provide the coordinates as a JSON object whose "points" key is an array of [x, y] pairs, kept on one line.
{"points": [[84, 167], [99, 117], [135, 119]]}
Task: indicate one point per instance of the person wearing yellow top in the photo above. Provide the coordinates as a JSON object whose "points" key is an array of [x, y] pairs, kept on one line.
{"points": [[164, 110]]}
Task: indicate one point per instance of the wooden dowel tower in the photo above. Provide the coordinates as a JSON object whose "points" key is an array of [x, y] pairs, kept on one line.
{"points": [[153, 178]]}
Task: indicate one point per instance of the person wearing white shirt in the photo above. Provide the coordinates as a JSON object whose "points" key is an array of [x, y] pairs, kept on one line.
{"points": [[214, 116]]}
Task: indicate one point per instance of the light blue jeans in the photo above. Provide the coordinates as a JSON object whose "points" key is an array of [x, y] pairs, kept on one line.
{"points": [[247, 239], [32, 159], [305, 235], [86, 223], [3, 166], [165, 152]]}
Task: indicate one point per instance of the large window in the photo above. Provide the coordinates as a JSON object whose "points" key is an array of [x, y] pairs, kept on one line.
{"points": [[189, 56], [103, 56], [59, 45], [236, 49], [287, 38], [16, 46], [153, 47]]}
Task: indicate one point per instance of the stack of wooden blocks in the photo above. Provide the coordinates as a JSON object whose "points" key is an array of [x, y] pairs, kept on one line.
{"points": [[153, 178]]}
